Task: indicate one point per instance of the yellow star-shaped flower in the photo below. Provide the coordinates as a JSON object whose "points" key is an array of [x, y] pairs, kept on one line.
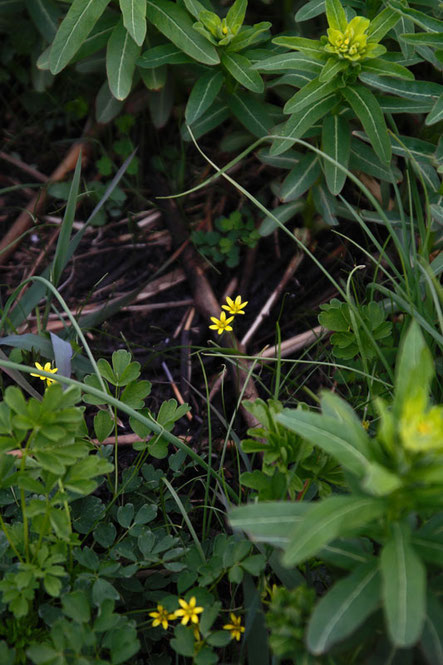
{"points": [[161, 617], [188, 611], [46, 368], [222, 323], [235, 306], [235, 628]]}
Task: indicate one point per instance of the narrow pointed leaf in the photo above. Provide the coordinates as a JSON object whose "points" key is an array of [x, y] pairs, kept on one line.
{"points": [[299, 123], [202, 95], [368, 111], [107, 107], [363, 158], [251, 112], [336, 143], [236, 15], [423, 91], [300, 178], [331, 69], [121, 55], [134, 18], [424, 21], [61, 251], [287, 62], [404, 589], [325, 204], [381, 24], [75, 27], [45, 15], [385, 68], [283, 213], [327, 520], [344, 608], [309, 94], [434, 39], [437, 112], [310, 10], [336, 15], [166, 54], [211, 119], [269, 521], [240, 68], [328, 433], [176, 24], [194, 7], [311, 47]]}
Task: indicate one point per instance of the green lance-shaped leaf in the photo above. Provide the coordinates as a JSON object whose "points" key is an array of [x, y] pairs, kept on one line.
{"points": [[166, 54], [381, 24], [336, 15], [433, 39], [240, 68], [249, 35], [344, 608], [134, 18], [194, 7], [270, 521], [424, 21], [202, 95], [421, 91], [121, 55], [327, 520], [174, 22], [348, 448], [154, 78], [311, 47], [300, 178], [368, 111], [299, 123], [310, 93], [288, 61], [336, 143], [251, 112], [437, 112], [107, 107], [385, 68], [211, 119], [236, 15], [331, 69], [404, 588], [363, 158], [432, 637], [45, 15], [310, 10], [75, 27]]}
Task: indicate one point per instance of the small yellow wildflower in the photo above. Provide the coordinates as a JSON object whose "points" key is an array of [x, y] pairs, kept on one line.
{"points": [[234, 306], [161, 617], [365, 424], [221, 324], [188, 611], [235, 628], [46, 368]]}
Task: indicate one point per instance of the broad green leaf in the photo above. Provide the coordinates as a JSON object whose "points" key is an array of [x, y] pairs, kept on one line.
{"points": [[155, 78], [336, 15], [287, 62], [327, 520], [175, 23], [121, 55], [107, 107], [236, 15], [287, 161], [98, 37], [76, 606], [134, 19], [325, 204], [309, 94], [103, 425], [166, 54], [211, 119], [434, 39], [301, 177], [283, 213], [404, 589], [431, 642], [336, 143], [202, 95], [75, 27], [251, 112], [368, 111], [386, 68], [422, 91], [381, 24], [299, 123], [343, 443], [310, 10], [344, 608], [240, 69], [311, 47], [437, 112], [45, 15], [270, 521], [363, 158]]}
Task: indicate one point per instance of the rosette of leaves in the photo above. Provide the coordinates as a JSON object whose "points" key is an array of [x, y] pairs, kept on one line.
{"points": [[224, 244], [354, 335], [395, 500]]}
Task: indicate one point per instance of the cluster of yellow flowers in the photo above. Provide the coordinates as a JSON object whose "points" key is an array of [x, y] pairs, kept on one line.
{"points": [[233, 307], [189, 613]]}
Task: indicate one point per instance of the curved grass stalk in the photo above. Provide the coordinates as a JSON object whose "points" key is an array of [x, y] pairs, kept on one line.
{"points": [[185, 516]]}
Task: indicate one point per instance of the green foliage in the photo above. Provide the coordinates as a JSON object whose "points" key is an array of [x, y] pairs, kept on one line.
{"points": [[224, 245]]}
